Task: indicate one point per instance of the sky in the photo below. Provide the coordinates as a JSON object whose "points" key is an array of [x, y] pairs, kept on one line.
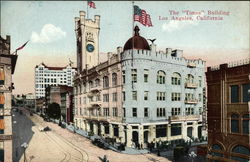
{"points": [[49, 27]]}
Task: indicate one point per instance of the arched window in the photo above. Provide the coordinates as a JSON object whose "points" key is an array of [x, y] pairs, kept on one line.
{"points": [[241, 150], [190, 78], [216, 147], [80, 89], [235, 123], [97, 82], [161, 77], [105, 82], [90, 84], [245, 124], [114, 79], [216, 150], [176, 79], [84, 87]]}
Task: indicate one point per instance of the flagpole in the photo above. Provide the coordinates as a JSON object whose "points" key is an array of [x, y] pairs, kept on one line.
{"points": [[87, 9], [133, 24]]}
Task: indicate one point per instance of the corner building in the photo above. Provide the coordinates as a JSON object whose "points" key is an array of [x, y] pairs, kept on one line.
{"points": [[138, 94]]}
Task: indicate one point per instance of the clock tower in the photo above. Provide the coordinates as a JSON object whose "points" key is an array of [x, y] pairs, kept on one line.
{"points": [[87, 41]]}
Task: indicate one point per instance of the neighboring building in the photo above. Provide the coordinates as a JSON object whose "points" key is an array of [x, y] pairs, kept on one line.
{"points": [[40, 105], [139, 95], [46, 76], [54, 94], [30, 101], [228, 111], [7, 67], [67, 104]]}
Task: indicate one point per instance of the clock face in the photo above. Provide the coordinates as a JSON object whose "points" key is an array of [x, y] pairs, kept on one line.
{"points": [[90, 48]]}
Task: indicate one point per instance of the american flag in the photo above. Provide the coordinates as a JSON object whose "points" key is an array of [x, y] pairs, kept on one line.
{"points": [[91, 4], [19, 48], [142, 16]]}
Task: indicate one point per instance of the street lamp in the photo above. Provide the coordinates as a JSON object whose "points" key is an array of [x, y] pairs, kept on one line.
{"points": [[24, 145]]}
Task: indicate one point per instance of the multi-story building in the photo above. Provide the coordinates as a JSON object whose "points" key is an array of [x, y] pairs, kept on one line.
{"points": [[139, 94], [61, 95], [67, 104], [40, 105], [46, 75], [30, 101], [228, 111], [7, 67]]}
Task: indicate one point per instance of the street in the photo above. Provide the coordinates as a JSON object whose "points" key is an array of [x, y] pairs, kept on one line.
{"points": [[61, 144]]}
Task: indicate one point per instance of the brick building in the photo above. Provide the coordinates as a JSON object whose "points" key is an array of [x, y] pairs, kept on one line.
{"points": [[228, 111]]}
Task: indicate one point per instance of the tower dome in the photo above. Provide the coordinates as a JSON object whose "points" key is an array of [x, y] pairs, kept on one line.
{"points": [[136, 42]]}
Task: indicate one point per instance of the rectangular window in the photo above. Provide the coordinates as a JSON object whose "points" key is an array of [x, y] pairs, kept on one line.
{"points": [[134, 95], [161, 96], [1, 124], [175, 129], [189, 111], [146, 75], [114, 96], [145, 95], [106, 111], [200, 110], [200, 97], [134, 112], [145, 112], [134, 75], [176, 111], [124, 112], [234, 93], [200, 81], [246, 92], [176, 96], [189, 97], [105, 97], [161, 131], [2, 100], [123, 96], [106, 128], [115, 111], [161, 112], [2, 77], [123, 77]]}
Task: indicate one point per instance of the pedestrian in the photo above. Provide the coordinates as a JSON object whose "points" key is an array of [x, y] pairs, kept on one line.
{"points": [[141, 146], [158, 152]]}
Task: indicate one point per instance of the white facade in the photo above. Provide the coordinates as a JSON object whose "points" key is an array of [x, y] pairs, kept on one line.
{"points": [[138, 95], [45, 76]]}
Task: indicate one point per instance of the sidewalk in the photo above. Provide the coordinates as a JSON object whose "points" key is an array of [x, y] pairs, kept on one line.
{"points": [[128, 150]]}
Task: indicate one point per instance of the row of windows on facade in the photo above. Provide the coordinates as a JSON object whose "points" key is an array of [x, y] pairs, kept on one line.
{"points": [[160, 112], [238, 152], [53, 80], [161, 77], [41, 69], [160, 130], [53, 75], [236, 90], [240, 124], [43, 86], [176, 79], [161, 96]]}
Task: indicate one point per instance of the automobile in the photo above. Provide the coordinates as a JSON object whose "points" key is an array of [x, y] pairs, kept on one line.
{"points": [[47, 129], [44, 129], [46, 119], [99, 143]]}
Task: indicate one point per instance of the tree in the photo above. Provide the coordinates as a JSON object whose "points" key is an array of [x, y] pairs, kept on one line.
{"points": [[54, 111]]}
